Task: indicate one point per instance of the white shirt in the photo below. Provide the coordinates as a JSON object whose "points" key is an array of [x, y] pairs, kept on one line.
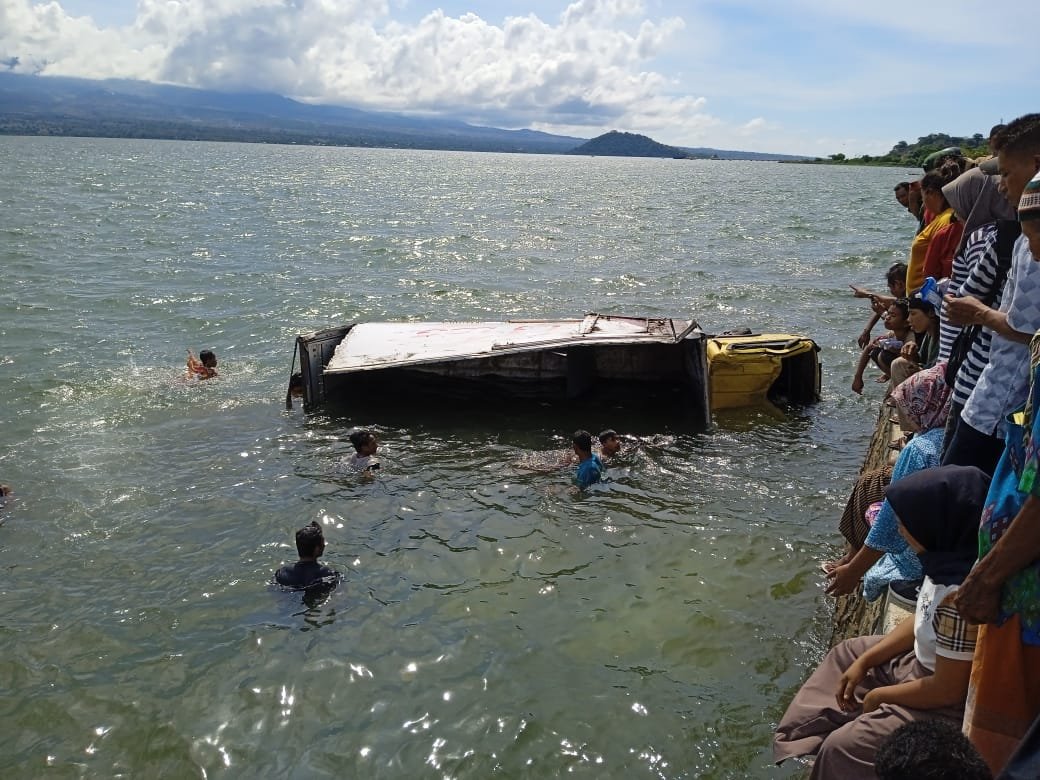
{"points": [[1003, 385], [362, 462], [939, 629]]}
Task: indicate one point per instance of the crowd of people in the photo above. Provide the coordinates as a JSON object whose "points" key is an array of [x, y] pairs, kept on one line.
{"points": [[955, 522]]}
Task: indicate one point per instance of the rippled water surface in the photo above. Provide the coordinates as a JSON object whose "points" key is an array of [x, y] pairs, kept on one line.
{"points": [[492, 621]]}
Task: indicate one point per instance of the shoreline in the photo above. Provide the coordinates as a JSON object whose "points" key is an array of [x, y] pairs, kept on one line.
{"points": [[853, 615]]}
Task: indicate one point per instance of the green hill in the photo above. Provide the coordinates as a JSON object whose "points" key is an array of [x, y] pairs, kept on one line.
{"points": [[912, 155], [616, 144]]}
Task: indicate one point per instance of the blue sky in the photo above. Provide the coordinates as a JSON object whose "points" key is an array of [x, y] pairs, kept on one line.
{"points": [[800, 77]]}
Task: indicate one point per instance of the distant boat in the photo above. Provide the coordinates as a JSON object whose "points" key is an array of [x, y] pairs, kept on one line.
{"points": [[596, 358]]}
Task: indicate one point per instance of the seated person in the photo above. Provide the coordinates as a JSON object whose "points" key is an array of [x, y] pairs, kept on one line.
{"points": [[922, 404], [923, 351], [887, 347], [929, 750], [204, 366], [590, 467], [307, 572], [895, 278], [869, 686], [364, 458], [609, 443]]}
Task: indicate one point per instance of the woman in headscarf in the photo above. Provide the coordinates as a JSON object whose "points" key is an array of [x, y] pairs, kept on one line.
{"points": [[921, 403], [977, 203], [869, 686]]}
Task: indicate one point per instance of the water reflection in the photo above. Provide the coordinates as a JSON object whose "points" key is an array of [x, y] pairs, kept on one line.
{"points": [[653, 625]]}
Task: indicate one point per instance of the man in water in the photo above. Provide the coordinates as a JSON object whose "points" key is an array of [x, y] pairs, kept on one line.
{"points": [[307, 572], [590, 467], [610, 443]]}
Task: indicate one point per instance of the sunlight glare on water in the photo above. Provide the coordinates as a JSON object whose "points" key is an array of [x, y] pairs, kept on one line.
{"points": [[492, 620]]}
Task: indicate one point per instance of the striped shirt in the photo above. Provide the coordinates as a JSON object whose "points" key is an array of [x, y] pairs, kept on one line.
{"points": [[981, 258]]}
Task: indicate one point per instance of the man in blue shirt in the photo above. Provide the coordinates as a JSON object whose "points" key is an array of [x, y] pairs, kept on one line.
{"points": [[590, 467]]}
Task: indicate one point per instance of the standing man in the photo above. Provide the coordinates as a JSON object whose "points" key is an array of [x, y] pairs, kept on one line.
{"points": [[1003, 385], [1002, 592]]}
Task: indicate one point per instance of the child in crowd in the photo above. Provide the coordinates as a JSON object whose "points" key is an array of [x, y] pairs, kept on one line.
{"points": [[364, 458], [931, 749], [590, 467], [204, 366], [923, 351], [869, 686], [885, 348], [895, 279], [307, 572]]}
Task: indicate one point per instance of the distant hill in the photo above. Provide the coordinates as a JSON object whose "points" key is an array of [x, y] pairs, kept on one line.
{"points": [[728, 154], [52, 105], [617, 144], [119, 108]]}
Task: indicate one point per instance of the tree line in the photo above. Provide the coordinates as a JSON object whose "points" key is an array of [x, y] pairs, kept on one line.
{"points": [[912, 155]]}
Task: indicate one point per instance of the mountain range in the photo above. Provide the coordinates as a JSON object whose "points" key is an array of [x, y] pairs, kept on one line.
{"points": [[116, 108]]}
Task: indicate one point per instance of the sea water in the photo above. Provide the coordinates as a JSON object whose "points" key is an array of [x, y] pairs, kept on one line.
{"points": [[492, 621]]}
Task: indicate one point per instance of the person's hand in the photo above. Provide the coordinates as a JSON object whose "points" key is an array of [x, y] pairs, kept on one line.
{"points": [[878, 305], [857, 385], [859, 292], [873, 700], [964, 310], [976, 601], [909, 351], [864, 339], [846, 693], [842, 581]]}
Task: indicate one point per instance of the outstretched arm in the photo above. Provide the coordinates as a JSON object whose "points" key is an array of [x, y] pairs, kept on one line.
{"points": [[861, 366], [864, 337], [844, 579]]}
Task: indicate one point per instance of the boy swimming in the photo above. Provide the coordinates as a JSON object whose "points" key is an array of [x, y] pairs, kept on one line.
{"points": [[204, 366]]}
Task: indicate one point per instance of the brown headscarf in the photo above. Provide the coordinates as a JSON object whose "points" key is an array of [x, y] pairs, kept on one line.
{"points": [[976, 202]]}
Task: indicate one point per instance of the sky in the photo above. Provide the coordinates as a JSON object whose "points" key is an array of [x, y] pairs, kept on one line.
{"points": [[812, 77]]}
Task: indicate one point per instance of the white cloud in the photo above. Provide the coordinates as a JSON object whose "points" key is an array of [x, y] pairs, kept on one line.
{"points": [[690, 73], [587, 70]]}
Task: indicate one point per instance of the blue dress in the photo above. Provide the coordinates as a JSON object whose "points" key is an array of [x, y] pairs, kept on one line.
{"points": [[899, 561]]}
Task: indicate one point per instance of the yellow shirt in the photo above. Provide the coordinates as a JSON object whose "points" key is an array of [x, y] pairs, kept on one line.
{"points": [[915, 268]]}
